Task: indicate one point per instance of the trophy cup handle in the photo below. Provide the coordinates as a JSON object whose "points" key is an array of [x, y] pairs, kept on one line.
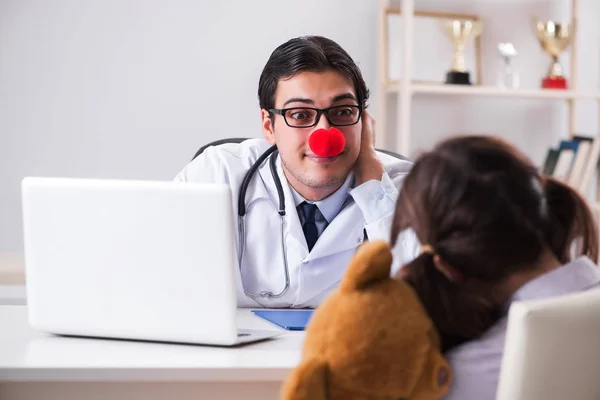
{"points": [[535, 21]]}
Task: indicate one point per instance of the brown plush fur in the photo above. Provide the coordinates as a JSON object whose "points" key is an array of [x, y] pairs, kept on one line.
{"points": [[370, 340]]}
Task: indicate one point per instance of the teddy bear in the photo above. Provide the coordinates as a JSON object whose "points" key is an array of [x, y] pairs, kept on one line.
{"points": [[371, 339]]}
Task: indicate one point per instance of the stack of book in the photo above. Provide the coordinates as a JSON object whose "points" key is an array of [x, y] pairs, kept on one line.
{"points": [[574, 162]]}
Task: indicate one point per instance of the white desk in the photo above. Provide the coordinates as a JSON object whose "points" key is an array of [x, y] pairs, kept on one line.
{"points": [[39, 366]]}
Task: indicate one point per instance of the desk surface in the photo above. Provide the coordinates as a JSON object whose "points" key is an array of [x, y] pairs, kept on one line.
{"points": [[28, 355]]}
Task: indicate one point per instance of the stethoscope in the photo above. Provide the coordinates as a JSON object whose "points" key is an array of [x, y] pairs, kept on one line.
{"points": [[272, 151], [324, 142]]}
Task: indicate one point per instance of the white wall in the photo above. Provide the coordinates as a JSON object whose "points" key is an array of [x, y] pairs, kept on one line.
{"points": [[131, 88]]}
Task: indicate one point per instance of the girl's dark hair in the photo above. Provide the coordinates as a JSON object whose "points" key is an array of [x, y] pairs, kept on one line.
{"points": [[308, 53], [487, 212]]}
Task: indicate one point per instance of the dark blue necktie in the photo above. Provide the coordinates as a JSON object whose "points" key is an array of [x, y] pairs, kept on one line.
{"points": [[310, 227]]}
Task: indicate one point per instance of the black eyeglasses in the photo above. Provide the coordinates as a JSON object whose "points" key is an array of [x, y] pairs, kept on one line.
{"points": [[305, 117]]}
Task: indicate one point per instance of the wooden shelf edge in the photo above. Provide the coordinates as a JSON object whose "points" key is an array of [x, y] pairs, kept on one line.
{"points": [[457, 90]]}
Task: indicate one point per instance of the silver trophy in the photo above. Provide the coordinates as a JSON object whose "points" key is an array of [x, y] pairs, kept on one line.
{"points": [[507, 77]]}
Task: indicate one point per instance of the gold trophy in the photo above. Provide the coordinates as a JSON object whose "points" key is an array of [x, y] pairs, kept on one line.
{"points": [[460, 31], [554, 37]]}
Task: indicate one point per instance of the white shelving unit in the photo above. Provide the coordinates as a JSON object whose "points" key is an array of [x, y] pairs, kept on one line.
{"points": [[457, 90], [406, 89]]}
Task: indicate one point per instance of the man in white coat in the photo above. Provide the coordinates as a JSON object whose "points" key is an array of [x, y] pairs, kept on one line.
{"points": [[332, 204]]}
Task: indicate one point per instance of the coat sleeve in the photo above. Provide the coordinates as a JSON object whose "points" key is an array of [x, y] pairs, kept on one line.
{"points": [[377, 201]]}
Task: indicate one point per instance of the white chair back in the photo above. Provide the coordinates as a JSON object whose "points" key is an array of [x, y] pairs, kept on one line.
{"points": [[552, 349]]}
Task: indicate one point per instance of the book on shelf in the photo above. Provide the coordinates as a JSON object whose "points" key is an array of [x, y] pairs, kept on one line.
{"points": [[564, 163], [575, 178], [574, 161], [550, 163]]}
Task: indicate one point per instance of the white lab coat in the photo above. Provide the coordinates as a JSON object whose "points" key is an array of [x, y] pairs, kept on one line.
{"points": [[312, 275]]}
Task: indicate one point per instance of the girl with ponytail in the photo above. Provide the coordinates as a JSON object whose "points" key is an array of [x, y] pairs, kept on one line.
{"points": [[493, 231]]}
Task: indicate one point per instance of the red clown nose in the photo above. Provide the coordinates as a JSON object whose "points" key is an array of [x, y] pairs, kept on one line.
{"points": [[327, 142]]}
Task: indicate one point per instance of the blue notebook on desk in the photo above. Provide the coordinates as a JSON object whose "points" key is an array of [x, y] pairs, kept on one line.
{"points": [[292, 320]]}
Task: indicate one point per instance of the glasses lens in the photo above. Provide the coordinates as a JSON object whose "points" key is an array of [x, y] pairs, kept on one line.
{"points": [[343, 115], [300, 117]]}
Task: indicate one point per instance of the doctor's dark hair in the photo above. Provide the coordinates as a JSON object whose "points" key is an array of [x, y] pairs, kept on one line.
{"points": [[486, 211], [308, 53]]}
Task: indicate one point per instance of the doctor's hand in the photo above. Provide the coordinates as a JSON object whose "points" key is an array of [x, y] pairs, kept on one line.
{"points": [[367, 165]]}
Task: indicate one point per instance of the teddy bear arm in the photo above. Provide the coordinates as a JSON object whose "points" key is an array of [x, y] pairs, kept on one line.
{"points": [[435, 379], [308, 381]]}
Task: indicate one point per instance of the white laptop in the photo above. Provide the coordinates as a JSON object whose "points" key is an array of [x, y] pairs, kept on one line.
{"points": [[135, 260], [552, 349]]}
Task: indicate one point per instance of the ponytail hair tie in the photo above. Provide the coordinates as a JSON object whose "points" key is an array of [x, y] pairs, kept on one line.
{"points": [[427, 249]]}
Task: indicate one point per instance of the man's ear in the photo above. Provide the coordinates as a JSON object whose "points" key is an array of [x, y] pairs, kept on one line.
{"points": [[267, 125]]}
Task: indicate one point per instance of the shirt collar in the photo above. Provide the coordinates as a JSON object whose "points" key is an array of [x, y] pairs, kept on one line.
{"points": [[331, 205], [576, 276]]}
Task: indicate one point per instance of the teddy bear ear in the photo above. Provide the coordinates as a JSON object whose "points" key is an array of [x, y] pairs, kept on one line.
{"points": [[307, 381], [371, 263]]}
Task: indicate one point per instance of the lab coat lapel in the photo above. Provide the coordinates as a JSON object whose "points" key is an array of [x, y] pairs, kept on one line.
{"points": [[262, 186], [345, 232], [337, 243], [293, 227]]}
